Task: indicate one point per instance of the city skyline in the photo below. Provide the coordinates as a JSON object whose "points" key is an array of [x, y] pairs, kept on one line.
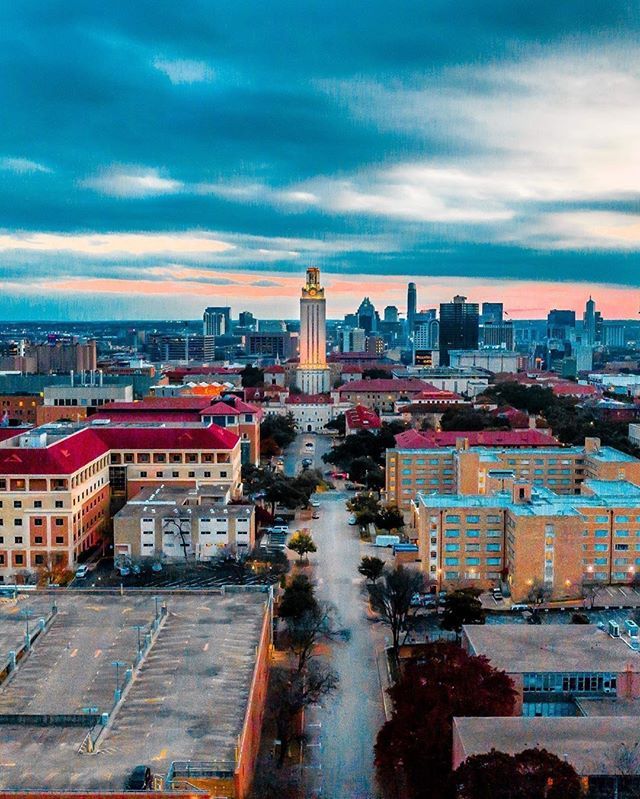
{"points": [[153, 159]]}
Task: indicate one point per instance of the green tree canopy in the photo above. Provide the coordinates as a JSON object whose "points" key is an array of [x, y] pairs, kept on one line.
{"points": [[302, 543], [371, 568], [462, 607]]}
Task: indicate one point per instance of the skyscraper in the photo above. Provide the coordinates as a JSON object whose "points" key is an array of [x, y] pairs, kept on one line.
{"points": [[492, 313], [216, 321], [313, 372], [589, 323], [458, 327], [412, 304]]}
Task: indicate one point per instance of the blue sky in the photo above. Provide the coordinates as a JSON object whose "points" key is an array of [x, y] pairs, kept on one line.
{"points": [[159, 156]]}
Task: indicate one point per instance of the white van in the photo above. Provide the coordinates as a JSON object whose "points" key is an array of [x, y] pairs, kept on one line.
{"points": [[387, 540]]}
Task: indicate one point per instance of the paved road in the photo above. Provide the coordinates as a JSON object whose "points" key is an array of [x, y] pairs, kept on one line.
{"points": [[341, 736], [345, 730], [296, 451]]}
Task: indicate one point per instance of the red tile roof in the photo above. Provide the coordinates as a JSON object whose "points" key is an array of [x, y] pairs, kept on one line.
{"points": [[309, 399], [276, 369], [429, 439], [163, 403], [63, 457], [388, 385], [570, 389], [212, 437], [80, 448], [134, 416], [361, 418]]}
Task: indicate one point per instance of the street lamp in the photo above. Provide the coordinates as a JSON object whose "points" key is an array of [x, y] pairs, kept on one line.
{"points": [[118, 664], [138, 627], [26, 614], [156, 600]]}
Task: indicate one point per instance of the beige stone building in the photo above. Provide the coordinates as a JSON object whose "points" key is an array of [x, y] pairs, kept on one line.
{"points": [[189, 524]]}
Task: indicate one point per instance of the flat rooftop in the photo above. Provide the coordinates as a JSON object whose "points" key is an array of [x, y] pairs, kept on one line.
{"points": [[517, 648], [187, 701], [589, 744]]}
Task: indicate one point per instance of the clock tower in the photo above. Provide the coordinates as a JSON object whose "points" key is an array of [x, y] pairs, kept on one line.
{"points": [[313, 372]]}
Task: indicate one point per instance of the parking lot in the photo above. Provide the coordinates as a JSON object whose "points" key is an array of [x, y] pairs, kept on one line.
{"points": [[187, 701]]}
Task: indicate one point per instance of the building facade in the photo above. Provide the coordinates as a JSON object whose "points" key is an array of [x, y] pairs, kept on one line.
{"points": [[313, 375]]}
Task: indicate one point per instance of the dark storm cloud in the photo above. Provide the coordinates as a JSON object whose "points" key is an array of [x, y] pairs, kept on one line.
{"points": [[375, 138]]}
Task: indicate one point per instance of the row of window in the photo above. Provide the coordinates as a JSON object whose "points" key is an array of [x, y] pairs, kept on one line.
{"points": [[571, 682]]}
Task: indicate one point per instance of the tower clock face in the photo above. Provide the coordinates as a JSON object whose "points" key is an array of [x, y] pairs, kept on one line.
{"points": [[312, 292]]}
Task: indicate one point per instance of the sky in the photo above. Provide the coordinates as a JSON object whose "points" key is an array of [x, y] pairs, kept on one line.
{"points": [[157, 157]]}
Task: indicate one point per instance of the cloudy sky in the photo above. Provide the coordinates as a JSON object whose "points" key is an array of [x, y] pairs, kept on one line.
{"points": [[157, 156]]}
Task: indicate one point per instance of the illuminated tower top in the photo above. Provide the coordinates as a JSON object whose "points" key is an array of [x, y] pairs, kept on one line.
{"points": [[312, 289]]}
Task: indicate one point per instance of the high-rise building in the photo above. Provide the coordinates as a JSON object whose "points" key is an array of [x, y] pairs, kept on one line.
{"points": [[354, 340], [492, 313], [458, 327], [313, 372], [561, 325], [589, 323], [216, 321], [412, 305], [391, 313], [497, 334], [246, 320], [367, 316]]}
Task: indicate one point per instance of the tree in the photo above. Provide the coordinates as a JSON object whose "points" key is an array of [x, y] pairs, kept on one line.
{"points": [[539, 592], [589, 590], [315, 625], [531, 774], [365, 470], [282, 429], [298, 598], [302, 543], [252, 376], [180, 528], [414, 746], [364, 507], [391, 598], [283, 490], [375, 373], [389, 518], [294, 692], [469, 419], [579, 618], [371, 568], [339, 424], [462, 607]]}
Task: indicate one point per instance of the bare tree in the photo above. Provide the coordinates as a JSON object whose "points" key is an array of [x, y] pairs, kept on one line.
{"points": [[539, 592], [391, 597], [589, 590], [306, 631], [624, 760], [295, 691], [181, 530]]}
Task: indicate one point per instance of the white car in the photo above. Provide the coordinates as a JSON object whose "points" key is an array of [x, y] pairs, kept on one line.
{"points": [[315, 503], [82, 572], [352, 521]]}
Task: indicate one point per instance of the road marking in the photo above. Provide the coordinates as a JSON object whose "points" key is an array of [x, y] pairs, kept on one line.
{"points": [[161, 756], [205, 647], [74, 653], [97, 653]]}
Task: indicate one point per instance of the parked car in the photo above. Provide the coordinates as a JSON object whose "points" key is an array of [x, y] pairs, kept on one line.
{"points": [[82, 572], [309, 445], [139, 779], [156, 567], [518, 607], [315, 503], [315, 515], [123, 570], [352, 520], [497, 594]]}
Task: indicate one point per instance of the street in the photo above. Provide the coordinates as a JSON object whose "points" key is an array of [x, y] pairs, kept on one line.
{"points": [[341, 736]]}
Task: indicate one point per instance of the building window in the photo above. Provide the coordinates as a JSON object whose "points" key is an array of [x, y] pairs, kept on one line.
{"points": [[17, 522], [59, 522], [37, 522], [59, 539], [38, 539], [17, 503], [37, 503], [19, 560], [59, 503]]}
